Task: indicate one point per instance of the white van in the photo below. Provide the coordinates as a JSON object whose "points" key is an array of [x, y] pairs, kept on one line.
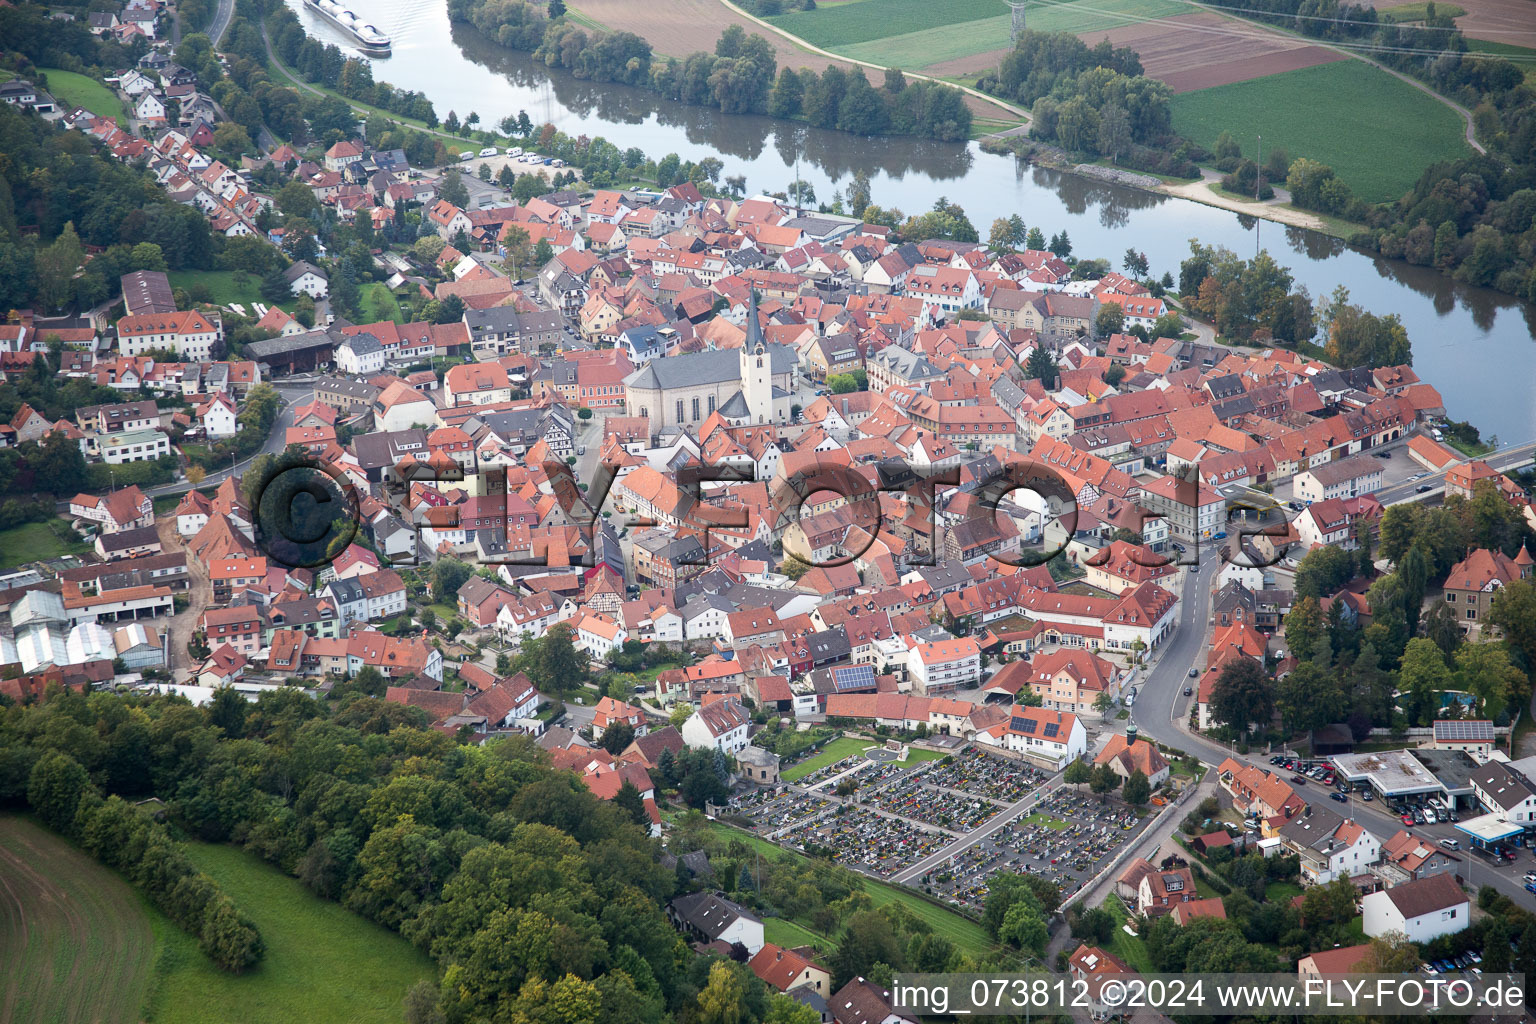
{"points": [[515, 151], [557, 163], [488, 151], [466, 157]]}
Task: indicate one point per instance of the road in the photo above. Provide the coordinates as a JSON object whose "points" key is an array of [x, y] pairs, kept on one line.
{"points": [[221, 20], [1511, 457], [292, 395]]}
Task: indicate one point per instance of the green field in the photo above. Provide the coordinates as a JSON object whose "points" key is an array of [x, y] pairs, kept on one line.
{"points": [[1502, 49], [1377, 132], [966, 934], [32, 542], [221, 288], [908, 34], [77, 940], [323, 962], [72, 90], [379, 304], [860, 22], [833, 752], [1417, 11]]}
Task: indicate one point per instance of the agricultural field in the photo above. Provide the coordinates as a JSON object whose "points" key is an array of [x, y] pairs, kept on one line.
{"points": [[1379, 141], [77, 940], [323, 962], [1502, 21], [73, 90], [860, 21]]}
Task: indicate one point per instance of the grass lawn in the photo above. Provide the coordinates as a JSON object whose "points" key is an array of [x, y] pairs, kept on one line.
{"points": [[31, 542], [74, 90], [222, 288], [1129, 948], [1379, 141], [966, 934], [78, 939], [833, 752], [323, 962], [1054, 824], [379, 303], [1471, 451], [915, 756], [1281, 892], [788, 934]]}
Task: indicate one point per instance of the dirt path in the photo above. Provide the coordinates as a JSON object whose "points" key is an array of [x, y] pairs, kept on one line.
{"points": [[184, 624], [1202, 192]]}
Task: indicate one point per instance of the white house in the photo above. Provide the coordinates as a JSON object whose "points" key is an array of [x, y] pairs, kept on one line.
{"points": [[598, 636], [610, 712], [148, 107], [1505, 791], [1341, 478], [721, 725], [361, 355], [1051, 736], [944, 665], [1330, 846], [1422, 910], [217, 416], [307, 279], [133, 446], [189, 334], [711, 917]]}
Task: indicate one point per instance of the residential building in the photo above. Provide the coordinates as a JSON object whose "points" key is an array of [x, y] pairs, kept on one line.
{"points": [[1476, 580], [1423, 910], [710, 917], [1341, 478], [1330, 846], [943, 666], [719, 725]]}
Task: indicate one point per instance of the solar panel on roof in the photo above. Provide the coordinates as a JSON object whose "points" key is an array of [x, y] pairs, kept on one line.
{"points": [[853, 677], [1455, 729], [1023, 725], [1052, 728]]}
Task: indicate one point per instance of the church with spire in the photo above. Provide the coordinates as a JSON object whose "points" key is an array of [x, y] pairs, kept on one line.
{"points": [[748, 386]]}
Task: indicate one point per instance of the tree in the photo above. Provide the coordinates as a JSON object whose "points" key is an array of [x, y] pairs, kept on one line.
{"points": [[552, 661], [867, 940], [1138, 790], [628, 797], [1110, 319], [1024, 927], [452, 188], [1114, 375], [55, 266], [1078, 773], [54, 790], [1323, 570], [1303, 626], [724, 999], [617, 736], [232, 139], [1041, 366], [1484, 670], [794, 567], [678, 715], [1439, 624], [1114, 136], [1422, 675], [1309, 698], [1103, 780], [556, 9], [858, 192], [1035, 240], [1514, 613], [1135, 263], [448, 575], [228, 710], [1243, 695]]}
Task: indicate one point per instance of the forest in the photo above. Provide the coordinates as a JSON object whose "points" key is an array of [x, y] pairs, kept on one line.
{"points": [[740, 76], [539, 902]]}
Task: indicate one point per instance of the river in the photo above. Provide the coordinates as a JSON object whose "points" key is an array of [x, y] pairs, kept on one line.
{"points": [[1478, 347]]}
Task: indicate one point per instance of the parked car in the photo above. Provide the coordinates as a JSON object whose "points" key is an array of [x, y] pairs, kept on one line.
{"points": [[1297, 780], [1418, 816], [1407, 819], [1366, 796], [1188, 690], [1451, 844], [1193, 672]]}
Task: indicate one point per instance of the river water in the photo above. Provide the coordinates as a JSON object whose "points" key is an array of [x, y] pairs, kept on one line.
{"points": [[1476, 346]]}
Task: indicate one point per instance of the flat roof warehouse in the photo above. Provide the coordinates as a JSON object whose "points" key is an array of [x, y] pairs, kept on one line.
{"points": [[1395, 774]]}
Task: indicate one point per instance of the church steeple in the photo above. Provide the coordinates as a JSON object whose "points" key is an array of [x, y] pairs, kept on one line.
{"points": [[756, 368]]}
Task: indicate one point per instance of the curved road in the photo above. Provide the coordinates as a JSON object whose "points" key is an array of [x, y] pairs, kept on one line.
{"points": [[221, 20], [291, 395]]}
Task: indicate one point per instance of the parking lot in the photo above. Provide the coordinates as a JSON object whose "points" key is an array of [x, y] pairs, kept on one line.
{"points": [[897, 817]]}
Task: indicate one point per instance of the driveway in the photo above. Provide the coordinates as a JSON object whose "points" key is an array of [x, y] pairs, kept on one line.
{"points": [[199, 593]]}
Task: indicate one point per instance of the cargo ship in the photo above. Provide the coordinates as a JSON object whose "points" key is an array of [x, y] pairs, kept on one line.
{"points": [[369, 38]]}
